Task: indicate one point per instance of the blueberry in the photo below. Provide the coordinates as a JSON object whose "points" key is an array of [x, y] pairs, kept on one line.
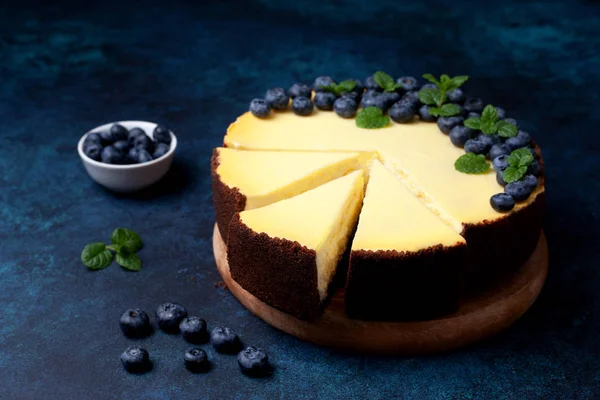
{"points": [[534, 168], [161, 135], [408, 83], [473, 115], [502, 202], [299, 89], [521, 140], [359, 88], [392, 97], [133, 133], [160, 150], [193, 329], [122, 146], [322, 81], [401, 114], [110, 155], [460, 134], [489, 140], [93, 138], [371, 93], [474, 104], [498, 149], [370, 84], [132, 155], [425, 116], [324, 100], [512, 121], [135, 323], [379, 100], [501, 113], [500, 178], [411, 99], [456, 96], [169, 316], [136, 359], [93, 151], [519, 190], [476, 146], [352, 95], [302, 106], [429, 86], [225, 340], [196, 360], [447, 123], [118, 132], [143, 143], [345, 107], [143, 156], [277, 98], [259, 108], [500, 162], [253, 361], [106, 136], [530, 181]]}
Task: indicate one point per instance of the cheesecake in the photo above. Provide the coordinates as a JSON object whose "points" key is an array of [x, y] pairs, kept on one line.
{"points": [[405, 262], [286, 253]]}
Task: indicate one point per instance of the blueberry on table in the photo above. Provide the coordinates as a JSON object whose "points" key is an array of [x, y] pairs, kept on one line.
{"points": [[521, 140], [378, 100], [408, 83], [253, 362], [196, 360], [225, 340], [143, 142], [324, 100], [122, 146], [161, 135], [476, 146], [322, 81], [277, 98], [519, 190], [93, 151], [401, 113], [370, 84], [530, 181], [499, 149], [259, 108], [500, 162], [456, 96], [143, 156], [160, 150], [502, 202], [133, 133], [474, 104], [136, 359], [135, 323], [193, 330], [119, 132], [169, 316], [447, 123], [345, 107], [299, 89], [424, 114], [110, 155], [500, 179], [302, 106], [460, 134]]}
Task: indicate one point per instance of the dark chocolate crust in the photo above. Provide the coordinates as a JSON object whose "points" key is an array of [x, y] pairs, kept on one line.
{"points": [[227, 201], [279, 272], [392, 285]]}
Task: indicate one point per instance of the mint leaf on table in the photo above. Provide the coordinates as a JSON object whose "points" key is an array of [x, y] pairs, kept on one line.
{"points": [[386, 82], [518, 161], [506, 129], [372, 118], [128, 238], [96, 256], [129, 261], [447, 110], [471, 163]]}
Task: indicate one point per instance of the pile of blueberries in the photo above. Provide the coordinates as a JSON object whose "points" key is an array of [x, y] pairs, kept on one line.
{"points": [[403, 105], [121, 146], [173, 318]]}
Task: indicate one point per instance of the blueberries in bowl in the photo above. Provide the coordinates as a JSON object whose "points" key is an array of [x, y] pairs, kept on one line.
{"points": [[93, 151], [161, 135]]}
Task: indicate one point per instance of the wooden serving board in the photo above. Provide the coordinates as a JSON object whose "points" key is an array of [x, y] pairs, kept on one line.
{"points": [[478, 317]]}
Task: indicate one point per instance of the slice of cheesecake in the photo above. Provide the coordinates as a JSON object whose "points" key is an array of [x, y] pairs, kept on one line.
{"points": [[286, 253], [245, 180], [405, 263]]}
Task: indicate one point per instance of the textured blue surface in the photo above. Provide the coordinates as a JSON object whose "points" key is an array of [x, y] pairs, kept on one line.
{"points": [[67, 68]]}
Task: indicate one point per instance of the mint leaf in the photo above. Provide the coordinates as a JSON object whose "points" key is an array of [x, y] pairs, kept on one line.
{"points": [[457, 82], [432, 79], [331, 88], [96, 256], [489, 113], [127, 238], [130, 261], [384, 81], [513, 173], [345, 86], [488, 127], [471, 163], [447, 110], [439, 96], [428, 96], [371, 118], [473, 123], [520, 158], [506, 129]]}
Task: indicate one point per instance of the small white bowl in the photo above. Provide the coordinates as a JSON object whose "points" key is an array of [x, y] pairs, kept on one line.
{"points": [[133, 177]]}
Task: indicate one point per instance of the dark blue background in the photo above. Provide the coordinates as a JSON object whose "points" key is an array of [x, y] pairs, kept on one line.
{"points": [[67, 68]]}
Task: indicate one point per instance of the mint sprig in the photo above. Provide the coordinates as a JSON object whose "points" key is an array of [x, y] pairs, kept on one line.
{"points": [[489, 123], [518, 161], [437, 97], [372, 118], [471, 163], [342, 87], [386, 82], [125, 243]]}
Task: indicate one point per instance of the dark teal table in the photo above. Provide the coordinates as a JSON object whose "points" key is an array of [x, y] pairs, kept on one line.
{"points": [[68, 67]]}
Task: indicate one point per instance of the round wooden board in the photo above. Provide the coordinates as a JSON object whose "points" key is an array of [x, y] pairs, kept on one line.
{"points": [[477, 317]]}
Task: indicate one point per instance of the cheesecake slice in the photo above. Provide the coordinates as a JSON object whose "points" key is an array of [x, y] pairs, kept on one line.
{"points": [[245, 180], [286, 253], [405, 263]]}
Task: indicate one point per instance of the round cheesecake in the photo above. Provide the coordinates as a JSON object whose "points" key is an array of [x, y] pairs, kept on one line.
{"points": [[294, 193]]}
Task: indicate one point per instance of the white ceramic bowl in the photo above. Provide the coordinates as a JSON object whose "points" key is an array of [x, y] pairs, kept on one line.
{"points": [[128, 178]]}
